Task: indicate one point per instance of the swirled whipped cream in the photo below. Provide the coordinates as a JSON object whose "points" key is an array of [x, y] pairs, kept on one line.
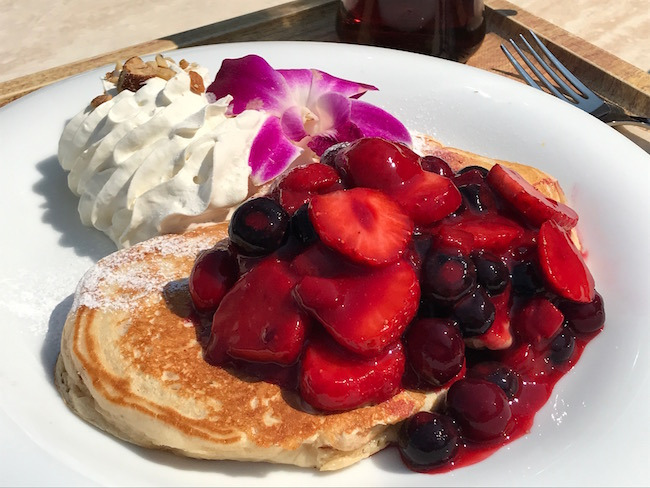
{"points": [[158, 159]]}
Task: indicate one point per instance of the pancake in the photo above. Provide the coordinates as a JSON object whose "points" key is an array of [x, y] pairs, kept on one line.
{"points": [[131, 363], [458, 159]]}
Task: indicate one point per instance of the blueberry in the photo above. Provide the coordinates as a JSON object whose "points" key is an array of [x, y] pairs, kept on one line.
{"points": [[447, 277], [431, 308], [474, 312], [470, 195], [301, 226], [584, 318], [435, 349], [259, 226], [562, 347], [480, 408], [428, 440], [330, 154], [491, 273], [499, 374], [526, 279]]}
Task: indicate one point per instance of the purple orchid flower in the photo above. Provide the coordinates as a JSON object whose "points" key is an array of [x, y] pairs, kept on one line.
{"points": [[308, 110]]}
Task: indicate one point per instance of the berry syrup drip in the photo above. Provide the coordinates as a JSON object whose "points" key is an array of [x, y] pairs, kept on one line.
{"points": [[377, 270], [532, 391]]}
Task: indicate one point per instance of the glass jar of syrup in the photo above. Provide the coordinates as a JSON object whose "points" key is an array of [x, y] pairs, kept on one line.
{"points": [[450, 29]]}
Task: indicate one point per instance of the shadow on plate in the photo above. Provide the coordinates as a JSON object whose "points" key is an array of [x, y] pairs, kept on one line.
{"points": [[226, 468], [388, 460], [52, 341], [60, 211]]}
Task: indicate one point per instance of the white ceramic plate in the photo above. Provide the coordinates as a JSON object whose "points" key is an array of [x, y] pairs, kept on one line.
{"points": [[593, 431]]}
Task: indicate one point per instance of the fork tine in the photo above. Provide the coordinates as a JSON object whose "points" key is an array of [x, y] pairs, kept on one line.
{"points": [[539, 75], [561, 83], [586, 92], [519, 68]]}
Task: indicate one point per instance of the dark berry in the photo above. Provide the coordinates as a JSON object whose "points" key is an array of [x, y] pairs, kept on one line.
{"points": [[301, 226], [473, 168], [258, 226], [428, 440], [499, 374], [430, 308], [474, 312], [584, 318], [526, 279], [435, 349], [471, 196], [562, 347], [213, 274], [329, 156], [434, 164], [480, 408], [447, 277], [491, 273]]}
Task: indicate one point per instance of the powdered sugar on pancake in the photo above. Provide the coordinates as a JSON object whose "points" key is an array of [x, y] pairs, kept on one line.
{"points": [[125, 277]]}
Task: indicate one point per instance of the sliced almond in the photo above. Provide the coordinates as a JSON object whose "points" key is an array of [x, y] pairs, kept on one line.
{"points": [[161, 62], [98, 100], [196, 83], [136, 72]]}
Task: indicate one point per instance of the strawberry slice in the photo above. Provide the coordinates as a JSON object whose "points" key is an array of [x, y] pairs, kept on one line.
{"points": [[499, 335], [527, 200], [395, 169], [362, 224], [303, 182], [452, 240], [364, 312], [538, 321], [562, 264], [332, 379], [273, 330], [491, 233], [320, 260], [427, 197]]}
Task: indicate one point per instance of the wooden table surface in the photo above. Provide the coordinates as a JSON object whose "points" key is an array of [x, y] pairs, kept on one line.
{"points": [[60, 33], [591, 36]]}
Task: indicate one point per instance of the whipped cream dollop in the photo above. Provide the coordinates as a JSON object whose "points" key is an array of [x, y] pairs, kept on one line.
{"points": [[158, 159]]}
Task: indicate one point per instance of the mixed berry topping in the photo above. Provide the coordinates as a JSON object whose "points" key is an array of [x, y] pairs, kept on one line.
{"points": [[377, 270]]}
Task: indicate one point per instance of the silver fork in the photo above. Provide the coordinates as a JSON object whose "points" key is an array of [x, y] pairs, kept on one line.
{"points": [[579, 94]]}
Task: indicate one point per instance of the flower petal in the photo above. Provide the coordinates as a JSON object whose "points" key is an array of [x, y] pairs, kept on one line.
{"points": [[292, 124], [253, 83], [308, 85], [299, 83], [333, 110], [325, 83], [373, 121], [271, 152]]}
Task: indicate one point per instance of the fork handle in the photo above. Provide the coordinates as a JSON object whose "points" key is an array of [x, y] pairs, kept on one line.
{"points": [[624, 119]]}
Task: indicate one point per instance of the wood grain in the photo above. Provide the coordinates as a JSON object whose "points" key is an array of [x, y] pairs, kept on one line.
{"points": [[609, 76], [313, 20]]}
